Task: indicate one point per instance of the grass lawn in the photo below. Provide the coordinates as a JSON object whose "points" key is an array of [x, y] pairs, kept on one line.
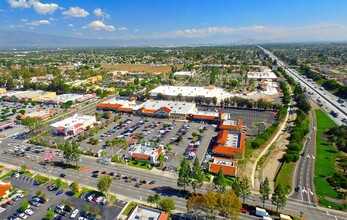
{"points": [[325, 161], [6, 175], [129, 207], [285, 175], [139, 164], [91, 191], [29, 174], [63, 184], [41, 179]]}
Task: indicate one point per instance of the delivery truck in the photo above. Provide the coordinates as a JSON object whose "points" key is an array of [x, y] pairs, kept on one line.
{"points": [[261, 212]]}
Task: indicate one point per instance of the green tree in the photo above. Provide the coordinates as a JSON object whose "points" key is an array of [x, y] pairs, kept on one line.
{"points": [[197, 174], [24, 167], [229, 204], [167, 205], [150, 199], [210, 203], [49, 215], [279, 197], [265, 191], [71, 153], [220, 181], [38, 192], [59, 182], [96, 211], [104, 184], [74, 187], [184, 174], [161, 158], [87, 208], [14, 111], [24, 206], [244, 189], [22, 111]]}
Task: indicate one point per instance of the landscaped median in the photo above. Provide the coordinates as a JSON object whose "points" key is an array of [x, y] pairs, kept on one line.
{"points": [[325, 164]]}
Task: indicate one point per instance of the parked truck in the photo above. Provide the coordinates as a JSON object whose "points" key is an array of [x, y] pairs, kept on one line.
{"points": [[261, 212]]}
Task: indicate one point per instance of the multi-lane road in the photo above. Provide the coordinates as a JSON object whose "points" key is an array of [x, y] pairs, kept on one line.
{"points": [[304, 172], [164, 181], [328, 100]]}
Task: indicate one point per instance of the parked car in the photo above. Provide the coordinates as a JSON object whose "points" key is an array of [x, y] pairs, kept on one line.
{"points": [[59, 192], [83, 195], [62, 175], [90, 197], [152, 182]]}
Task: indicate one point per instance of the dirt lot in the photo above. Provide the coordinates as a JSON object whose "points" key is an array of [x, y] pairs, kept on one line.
{"points": [[137, 68]]}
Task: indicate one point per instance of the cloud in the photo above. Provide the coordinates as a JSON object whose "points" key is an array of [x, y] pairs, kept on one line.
{"points": [[136, 30], [71, 25], [40, 8], [44, 8], [75, 12], [24, 20], [122, 28], [19, 3], [99, 25], [100, 14], [37, 23]]}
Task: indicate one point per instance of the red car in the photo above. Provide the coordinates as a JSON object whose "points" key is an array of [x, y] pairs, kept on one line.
{"points": [[95, 198], [9, 202], [243, 210]]}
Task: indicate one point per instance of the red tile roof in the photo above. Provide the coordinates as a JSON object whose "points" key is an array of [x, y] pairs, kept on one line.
{"points": [[3, 188], [222, 136], [227, 170], [60, 128], [140, 156], [109, 106], [166, 109], [231, 150], [78, 125], [149, 111], [125, 109], [209, 117]]}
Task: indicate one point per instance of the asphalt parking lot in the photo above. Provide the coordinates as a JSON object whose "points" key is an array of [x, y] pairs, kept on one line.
{"points": [[25, 183]]}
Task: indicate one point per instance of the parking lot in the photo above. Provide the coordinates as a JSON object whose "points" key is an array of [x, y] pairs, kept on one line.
{"points": [[62, 204]]}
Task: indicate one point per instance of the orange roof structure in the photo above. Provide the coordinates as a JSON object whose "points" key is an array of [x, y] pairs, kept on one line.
{"points": [[149, 111], [109, 106], [77, 125], [164, 216], [220, 149], [125, 109], [222, 136], [209, 87], [227, 170], [206, 117], [60, 128], [4, 187], [166, 109], [140, 156]]}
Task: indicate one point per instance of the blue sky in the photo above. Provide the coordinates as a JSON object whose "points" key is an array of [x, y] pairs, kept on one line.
{"points": [[200, 21]]}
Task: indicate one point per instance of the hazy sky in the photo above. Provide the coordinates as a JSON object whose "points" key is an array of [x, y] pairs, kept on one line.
{"points": [[200, 21]]}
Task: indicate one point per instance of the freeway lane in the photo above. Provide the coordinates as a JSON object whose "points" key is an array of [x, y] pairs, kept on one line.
{"points": [[304, 172], [327, 96]]}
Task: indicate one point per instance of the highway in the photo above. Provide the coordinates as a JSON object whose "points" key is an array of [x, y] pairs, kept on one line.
{"points": [[329, 100], [304, 171]]}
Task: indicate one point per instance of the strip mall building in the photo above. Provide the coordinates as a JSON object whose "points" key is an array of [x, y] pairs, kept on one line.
{"points": [[230, 142]]}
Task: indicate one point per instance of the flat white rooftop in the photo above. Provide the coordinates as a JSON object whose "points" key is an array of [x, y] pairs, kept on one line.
{"points": [[39, 113], [68, 97], [176, 107], [232, 140], [144, 213], [191, 91], [266, 74], [75, 119], [184, 73], [224, 161]]}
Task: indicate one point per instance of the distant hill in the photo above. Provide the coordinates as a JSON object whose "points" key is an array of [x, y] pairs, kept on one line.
{"points": [[10, 39]]}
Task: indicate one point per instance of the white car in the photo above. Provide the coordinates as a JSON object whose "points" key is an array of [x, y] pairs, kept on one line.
{"points": [[20, 195], [22, 216], [99, 199], [74, 213], [29, 212]]}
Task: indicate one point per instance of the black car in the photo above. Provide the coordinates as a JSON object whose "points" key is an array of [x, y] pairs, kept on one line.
{"points": [[111, 174], [95, 175], [152, 182], [62, 175], [95, 171], [4, 205]]}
